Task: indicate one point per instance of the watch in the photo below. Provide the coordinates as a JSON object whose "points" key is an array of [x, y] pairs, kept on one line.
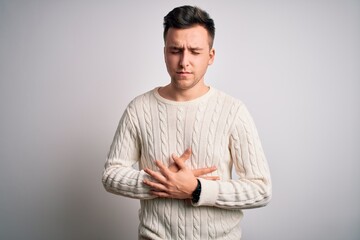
{"points": [[196, 193]]}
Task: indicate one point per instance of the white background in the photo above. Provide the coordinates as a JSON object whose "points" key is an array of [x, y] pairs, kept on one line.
{"points": [[69, 68]]}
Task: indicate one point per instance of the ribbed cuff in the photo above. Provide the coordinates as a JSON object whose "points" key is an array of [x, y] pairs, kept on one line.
{"points": [[209, 193]]}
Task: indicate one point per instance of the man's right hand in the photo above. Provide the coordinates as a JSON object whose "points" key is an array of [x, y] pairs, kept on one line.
{"points": [[200, 172]]}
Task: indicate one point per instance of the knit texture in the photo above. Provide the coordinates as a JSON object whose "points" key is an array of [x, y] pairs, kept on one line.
{"points": [[220, 132]]}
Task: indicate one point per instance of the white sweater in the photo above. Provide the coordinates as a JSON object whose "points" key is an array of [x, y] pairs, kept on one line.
{"points": [[220, 132]]}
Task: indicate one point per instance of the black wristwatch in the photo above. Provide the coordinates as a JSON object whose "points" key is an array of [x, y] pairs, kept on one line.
{"points": [[196, 193]]}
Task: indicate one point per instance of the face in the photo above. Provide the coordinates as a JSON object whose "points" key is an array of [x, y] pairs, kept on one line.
{"points": [[187, 56]]}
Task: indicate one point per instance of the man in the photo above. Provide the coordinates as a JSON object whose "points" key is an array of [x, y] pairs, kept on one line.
{"points": [[187, 137]]}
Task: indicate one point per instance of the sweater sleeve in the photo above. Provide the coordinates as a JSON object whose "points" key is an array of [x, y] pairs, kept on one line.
{"points": [[119, 176], [253, 187]]}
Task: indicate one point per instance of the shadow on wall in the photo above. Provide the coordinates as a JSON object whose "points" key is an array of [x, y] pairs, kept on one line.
{"points": [[58, 194]]}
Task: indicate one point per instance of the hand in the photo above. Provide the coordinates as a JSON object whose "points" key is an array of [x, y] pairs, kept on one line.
{"points": [[200, 172], [177, 181]]}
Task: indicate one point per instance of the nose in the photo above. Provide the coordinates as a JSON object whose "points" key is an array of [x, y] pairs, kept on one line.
{"points": [[184, 61]]}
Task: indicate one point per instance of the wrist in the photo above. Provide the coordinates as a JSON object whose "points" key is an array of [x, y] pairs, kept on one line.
{"points": [[195, 196]]}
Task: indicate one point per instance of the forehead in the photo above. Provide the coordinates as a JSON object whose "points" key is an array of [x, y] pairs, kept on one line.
{"points": [[196, 36]]}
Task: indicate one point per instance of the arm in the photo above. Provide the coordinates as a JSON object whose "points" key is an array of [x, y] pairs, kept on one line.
{"points": [[119, 177], [253, 188]]}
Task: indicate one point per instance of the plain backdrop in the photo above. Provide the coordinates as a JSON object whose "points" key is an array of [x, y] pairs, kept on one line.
{"points": [[69, 68]]}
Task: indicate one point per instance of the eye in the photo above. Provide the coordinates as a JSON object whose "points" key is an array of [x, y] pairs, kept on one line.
{"points": [[195, 51], [175, 50]]}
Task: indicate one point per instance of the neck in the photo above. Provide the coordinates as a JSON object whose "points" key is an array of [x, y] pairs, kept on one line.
{"points": [[173, 93]]}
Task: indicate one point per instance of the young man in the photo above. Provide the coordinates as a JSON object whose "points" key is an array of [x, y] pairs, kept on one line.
{"points": [[187, 137]]}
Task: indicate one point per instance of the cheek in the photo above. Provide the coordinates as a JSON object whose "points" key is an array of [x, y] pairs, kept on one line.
{"points": [[203, 64], [171, 60]]}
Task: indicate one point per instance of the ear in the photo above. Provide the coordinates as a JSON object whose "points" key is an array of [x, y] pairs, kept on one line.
{"points": [[212, 56]]}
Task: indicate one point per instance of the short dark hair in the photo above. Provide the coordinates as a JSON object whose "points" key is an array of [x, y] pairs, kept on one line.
{"points": [[188, 16]]}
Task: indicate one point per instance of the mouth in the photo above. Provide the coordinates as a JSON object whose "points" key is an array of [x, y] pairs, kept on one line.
{"points": [[183, 72]]}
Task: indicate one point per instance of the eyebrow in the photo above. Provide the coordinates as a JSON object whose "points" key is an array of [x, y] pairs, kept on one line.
{"points": [[182, 48]]}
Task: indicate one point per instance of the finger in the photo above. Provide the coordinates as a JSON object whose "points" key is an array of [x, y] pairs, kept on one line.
{"points": [[203, 171], [179, 162], [186, 155], [156, 175], [160, 194], [154, 185], [163, 169], [213, 178]]}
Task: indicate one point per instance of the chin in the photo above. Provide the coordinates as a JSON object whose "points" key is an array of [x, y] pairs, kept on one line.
{"points": [[183, 84]]}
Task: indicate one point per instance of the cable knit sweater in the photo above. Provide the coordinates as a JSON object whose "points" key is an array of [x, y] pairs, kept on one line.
{"points": [[220, 132]]}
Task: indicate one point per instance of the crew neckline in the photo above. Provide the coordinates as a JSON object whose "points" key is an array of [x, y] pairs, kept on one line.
{"points": [[172, 102]]}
